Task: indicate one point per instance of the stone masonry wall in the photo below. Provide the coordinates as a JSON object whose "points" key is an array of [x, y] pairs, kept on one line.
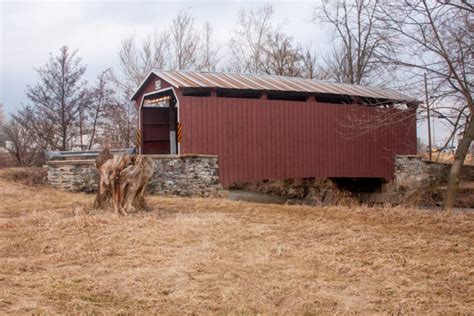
{"points": [[73, 175], [182, 175], [186, 175], [411, 172]]}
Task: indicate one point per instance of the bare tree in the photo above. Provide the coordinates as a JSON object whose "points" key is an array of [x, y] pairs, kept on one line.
{"points": [[209, 59], [58, 97], [82, 122], [310, 68], [250, 39], [259, 47], [23, 143], [19, 144], [101, 99], [281, 57], [136, 62], [184, 42], [120, 124], [358, 42], [335, 67], [436, 40]]}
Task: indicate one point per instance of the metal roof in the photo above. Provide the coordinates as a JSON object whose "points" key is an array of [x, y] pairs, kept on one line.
{"points": [[193, 79]]}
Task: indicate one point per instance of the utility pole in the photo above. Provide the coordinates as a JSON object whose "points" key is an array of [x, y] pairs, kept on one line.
{"points": [[428, 114]]}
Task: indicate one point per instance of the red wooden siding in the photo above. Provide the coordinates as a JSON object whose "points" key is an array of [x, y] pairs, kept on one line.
{"points": [[267, 139], [147, 87]]}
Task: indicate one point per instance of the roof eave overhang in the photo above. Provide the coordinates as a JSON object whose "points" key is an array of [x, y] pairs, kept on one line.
{"points": [[142, 84], [412, 103]]}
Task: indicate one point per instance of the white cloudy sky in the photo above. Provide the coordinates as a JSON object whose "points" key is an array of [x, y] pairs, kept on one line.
{"points": [[30, 30]]}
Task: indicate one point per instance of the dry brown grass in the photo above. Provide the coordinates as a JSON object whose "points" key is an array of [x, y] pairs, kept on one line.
{"points": [[31, 176], [192, 255], [447, 157]]}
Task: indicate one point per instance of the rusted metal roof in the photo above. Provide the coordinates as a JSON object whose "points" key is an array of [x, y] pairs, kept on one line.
{"points": [[192, 79]]}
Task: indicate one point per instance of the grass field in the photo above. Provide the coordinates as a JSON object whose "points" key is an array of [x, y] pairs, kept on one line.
{"points": [[192, 255]]}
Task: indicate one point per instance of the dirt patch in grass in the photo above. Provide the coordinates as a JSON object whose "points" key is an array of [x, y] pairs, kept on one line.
{"points": [[193, 255]]}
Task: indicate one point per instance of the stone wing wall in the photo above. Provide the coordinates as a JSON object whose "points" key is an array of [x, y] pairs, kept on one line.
{"points": [[411, 172], [187, 175]]}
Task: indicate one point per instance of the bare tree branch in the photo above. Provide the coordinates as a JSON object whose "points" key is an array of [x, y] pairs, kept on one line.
{"points": [[184, 42]]}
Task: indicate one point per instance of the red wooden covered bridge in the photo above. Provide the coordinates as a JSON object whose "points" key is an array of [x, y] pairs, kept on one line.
{"points": [[272, 127]]}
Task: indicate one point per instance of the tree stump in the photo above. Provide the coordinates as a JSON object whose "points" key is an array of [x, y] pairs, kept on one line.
{"points": [[101, 196], [122, 181]]}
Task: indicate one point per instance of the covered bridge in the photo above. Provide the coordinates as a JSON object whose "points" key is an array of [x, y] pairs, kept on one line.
{"points": [[266, 127]]}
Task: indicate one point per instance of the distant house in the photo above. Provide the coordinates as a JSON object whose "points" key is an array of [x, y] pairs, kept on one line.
{"points": [[271, 127]]}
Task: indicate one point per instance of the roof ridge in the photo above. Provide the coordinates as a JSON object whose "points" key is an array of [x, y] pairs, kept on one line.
{"points": [[273, 75]]}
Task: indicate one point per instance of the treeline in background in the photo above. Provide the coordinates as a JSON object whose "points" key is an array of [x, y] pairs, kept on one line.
{"points": [[373, 42]]}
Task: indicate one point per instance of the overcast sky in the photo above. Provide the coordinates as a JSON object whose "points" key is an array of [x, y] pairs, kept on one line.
{"points": [[30, 30]]}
